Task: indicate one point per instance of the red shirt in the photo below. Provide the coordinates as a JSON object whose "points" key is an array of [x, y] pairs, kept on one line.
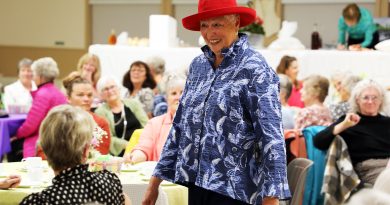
{"points": [[295, 97]]}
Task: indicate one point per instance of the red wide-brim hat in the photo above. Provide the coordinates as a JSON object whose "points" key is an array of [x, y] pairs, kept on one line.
{"points": [[214, 8]]}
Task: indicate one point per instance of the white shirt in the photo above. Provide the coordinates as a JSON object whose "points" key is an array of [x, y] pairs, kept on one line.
{"points": [[17, 94]]}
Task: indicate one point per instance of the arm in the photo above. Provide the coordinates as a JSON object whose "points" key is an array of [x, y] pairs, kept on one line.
{"points": [[40, 107], [11, 181], [341, 30], [265, 110], [324, 138], [151, 194], [369, 29], [146, 144]]}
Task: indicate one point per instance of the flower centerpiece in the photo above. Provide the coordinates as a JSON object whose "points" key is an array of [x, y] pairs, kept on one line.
{"points": [[255, 32], [97, 137], [254, 28]]}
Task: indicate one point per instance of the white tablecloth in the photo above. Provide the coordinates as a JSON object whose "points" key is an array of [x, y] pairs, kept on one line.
{"points": [[115, 60]]}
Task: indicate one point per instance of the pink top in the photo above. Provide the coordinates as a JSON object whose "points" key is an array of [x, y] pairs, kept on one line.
{"points": [[45, 97], [154, 135], [295, 97], [313, 115]]}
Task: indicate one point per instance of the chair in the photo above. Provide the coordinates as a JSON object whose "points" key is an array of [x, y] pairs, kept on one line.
{"points": [[136, 193], [133, 140], [296, 175]]}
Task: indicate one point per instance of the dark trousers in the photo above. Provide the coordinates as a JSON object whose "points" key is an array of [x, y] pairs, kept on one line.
{"points": [[375, 40], [200, 196], [16, 154]]}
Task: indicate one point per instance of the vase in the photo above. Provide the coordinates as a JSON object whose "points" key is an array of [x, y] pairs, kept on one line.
{"points": [[256, 40]]}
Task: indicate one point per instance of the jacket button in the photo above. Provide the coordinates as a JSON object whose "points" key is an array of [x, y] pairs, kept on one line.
{"points": [[234, 149], [196, 150]]}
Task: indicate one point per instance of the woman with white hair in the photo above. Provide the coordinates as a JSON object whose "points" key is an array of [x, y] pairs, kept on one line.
{"points": [[123, 115], [65, 137], [155, 133], [365, 130], [47, 96]]}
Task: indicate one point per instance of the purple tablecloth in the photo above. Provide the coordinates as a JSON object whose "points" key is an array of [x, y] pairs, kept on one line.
{"points": [[8, 128]]}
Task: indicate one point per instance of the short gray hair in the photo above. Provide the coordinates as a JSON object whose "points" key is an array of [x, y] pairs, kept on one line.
{"points": [[174, 80], [349, 82], [101, 84], [68, 129], [157, 64], [285, 85], [360, 87], [45, 67], [316, 85], [25, 62]]}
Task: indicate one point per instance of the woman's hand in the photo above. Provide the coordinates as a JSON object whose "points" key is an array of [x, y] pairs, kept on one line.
{"points": [[270, 201], [340, 47], [350, 120], [355, 47], [11, 181], [151, 194]]}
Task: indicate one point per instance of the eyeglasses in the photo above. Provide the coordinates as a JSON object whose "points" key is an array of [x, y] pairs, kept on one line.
{"points": [[367, 98], [106, 89]]}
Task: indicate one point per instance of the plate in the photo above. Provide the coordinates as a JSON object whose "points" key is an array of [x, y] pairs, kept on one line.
{"points": [[146, 168], [129, 168], [26, 183], [163, 183]]}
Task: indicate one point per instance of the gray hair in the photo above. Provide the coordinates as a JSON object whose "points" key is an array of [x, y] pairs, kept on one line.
{"points": [[360, 87], [101, 84], [232, 18], [157, 64], [69, 129], [316, 85], [285, 85], [174, 80], [25, 62], [349, 82], [46, 68]]}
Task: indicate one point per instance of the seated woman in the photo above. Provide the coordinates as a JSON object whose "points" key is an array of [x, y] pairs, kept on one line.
{"points": [[89, 68], [47, 96], [18, 93], [314, 92], [289, 66], [65, 137], [346, 85], [80, 93], [124, 116], [288, 112], [365, 131], [140, 84], [156, 131]]}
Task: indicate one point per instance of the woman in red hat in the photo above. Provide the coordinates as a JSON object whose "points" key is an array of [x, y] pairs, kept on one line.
{"points": [[226, 143]]}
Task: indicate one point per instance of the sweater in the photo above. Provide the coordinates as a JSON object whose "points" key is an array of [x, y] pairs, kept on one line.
{"points": [[369, 139]]}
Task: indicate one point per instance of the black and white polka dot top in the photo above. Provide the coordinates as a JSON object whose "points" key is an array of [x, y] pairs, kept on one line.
{"points": [[79, 186]]}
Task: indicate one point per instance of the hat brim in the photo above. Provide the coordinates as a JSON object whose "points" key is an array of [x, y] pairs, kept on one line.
{"points": [[247, 16]]}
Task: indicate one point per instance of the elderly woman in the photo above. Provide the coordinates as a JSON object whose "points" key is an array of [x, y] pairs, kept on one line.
{"points": [[289, 66], [155, 133], [344, 89], [123, 115], [365, 131], [89, 68], [157, 68], [18, 93], [140, 84], [65, 137], [288, 113], [47, 96], [226, 142], [314, 92]]}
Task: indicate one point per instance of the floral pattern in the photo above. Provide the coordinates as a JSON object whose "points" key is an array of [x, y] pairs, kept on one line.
{"points": [[313, 115], [227, 132]]}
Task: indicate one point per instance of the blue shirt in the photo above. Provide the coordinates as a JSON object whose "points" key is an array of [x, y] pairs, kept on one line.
{"points": [[364, 29], [227, 132]]}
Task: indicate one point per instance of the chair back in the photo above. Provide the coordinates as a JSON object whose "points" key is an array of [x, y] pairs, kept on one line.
{"points": [[296, 175], [136, 193], [133, 140]]}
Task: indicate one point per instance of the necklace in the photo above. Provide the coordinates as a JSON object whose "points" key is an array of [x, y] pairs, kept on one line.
{"points": [[123, 118]]}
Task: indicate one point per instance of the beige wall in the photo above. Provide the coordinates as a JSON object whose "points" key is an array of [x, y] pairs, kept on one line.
{"points": [[31, 28]]}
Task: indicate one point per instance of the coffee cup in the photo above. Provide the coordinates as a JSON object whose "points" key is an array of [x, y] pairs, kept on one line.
{"points": [[31, 162]]}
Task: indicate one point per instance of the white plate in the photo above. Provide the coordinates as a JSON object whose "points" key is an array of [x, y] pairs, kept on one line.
{"points": [[129, 168]]}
